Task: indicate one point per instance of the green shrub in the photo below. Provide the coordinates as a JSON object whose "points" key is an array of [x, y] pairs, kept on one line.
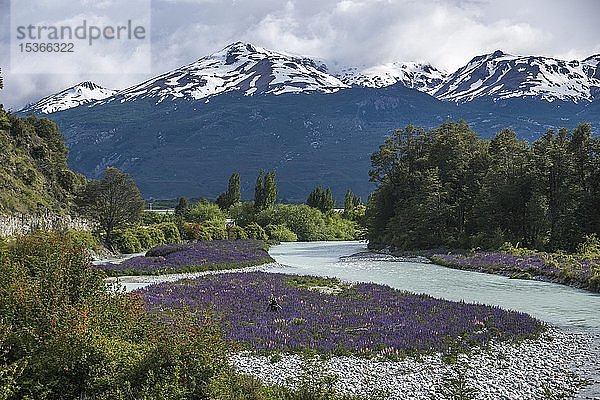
{"points": [[215, 229], [170, 232], [280, 233], [204, 211], [236, 232], [590, 247], [125, 241], [85, 239], [144, 237], [152, 218], [255, 231], [156, 235]]}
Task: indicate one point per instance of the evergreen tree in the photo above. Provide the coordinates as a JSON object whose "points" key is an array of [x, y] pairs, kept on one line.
{"points": [[315, 198], [232, 195], [182, 207], [259, 192], [349, 201], [270, 190], [321, 199], [447, 187]]}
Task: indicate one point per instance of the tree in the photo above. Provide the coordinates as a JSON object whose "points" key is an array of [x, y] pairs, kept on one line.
{"points": [[259, 192], [112, 202], [233, 193], [205, 211], [265, 191], [270, 190], [321, 199], [182, 207]]}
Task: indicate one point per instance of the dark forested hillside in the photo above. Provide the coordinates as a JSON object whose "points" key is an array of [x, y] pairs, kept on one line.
{"points": [[448, 187]]}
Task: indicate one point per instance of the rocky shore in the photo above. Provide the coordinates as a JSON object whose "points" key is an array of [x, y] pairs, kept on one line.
{"points": [[557, 365]]}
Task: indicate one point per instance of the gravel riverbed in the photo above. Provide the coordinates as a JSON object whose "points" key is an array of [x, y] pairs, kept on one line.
{"points": [[558, 365]]}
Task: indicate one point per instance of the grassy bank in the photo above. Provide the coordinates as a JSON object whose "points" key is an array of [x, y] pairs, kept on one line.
{"points": [[573, 270]]}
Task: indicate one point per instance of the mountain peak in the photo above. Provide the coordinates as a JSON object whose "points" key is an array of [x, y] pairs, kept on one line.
{"points": [[82, 93]]}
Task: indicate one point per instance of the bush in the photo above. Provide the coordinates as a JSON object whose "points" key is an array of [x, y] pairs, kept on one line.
{"points": [[152, 218], [204, 211], [193, 231], [280, 233], [215, 230], [144, 237], [85, 239], [170, 232], [126, 242], [590, 248], [156, 235], [64, 336], [255, 231], [236, 232]]}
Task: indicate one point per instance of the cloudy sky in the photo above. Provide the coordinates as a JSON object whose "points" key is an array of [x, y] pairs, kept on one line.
{"points": [[366, 32]]}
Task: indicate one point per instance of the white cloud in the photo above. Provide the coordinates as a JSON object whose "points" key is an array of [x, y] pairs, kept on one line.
{"points": [[446, 33]]}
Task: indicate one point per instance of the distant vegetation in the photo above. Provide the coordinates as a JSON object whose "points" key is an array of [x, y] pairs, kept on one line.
{"points": [[447, 188], [34, 175]]}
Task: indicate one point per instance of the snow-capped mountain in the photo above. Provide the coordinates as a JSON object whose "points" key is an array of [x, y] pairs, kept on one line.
{"points": [[423, 77], [502, 76], [252, 70], [82, 93], [238, 67]]}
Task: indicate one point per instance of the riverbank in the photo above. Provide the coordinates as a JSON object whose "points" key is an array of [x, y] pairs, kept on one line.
{"points": [[544, 368], [565, 269]]}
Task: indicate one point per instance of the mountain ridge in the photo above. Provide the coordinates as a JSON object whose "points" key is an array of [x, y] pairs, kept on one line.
{"points": [[254, 70]]}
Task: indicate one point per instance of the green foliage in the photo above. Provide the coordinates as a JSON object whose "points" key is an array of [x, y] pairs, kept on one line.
{"points": [[170, 232], [126, 241], [157, 237], [84, 239], [255, 231], [291, 222], [34, 175], [280, 233], [236, 232], [233, 194], [321, 199], [265, 191], [216, 230], [113, 202], [204, 211], [446, 187], [590, 247], [153, 217], [306, 222], [455, 386], [182, 207]]}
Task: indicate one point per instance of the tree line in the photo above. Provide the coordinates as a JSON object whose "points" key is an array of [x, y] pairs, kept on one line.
{"points": [[446, 187]]}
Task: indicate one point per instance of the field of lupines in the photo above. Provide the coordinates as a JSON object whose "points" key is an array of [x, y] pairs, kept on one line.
{"points": [[568, 269], [363, 319], [193, 257]]}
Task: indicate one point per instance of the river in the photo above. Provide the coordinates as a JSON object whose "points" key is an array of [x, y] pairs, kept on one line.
{"points": [[553, 303], [559, 305]]}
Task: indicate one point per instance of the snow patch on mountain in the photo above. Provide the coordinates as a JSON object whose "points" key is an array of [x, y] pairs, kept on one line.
{"points": [[502, 76], [238, 67], [423, 77], [83, 93]]}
